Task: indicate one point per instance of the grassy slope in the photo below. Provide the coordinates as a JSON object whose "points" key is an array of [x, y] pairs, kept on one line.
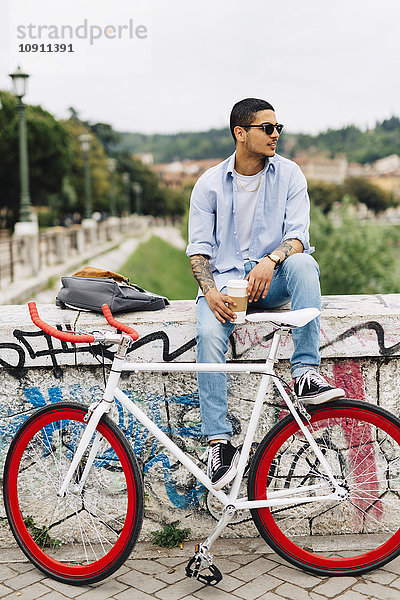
{"points": [[161, 268]]}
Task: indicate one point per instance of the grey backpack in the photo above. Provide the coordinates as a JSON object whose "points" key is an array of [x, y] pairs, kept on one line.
{"points": [[89, 293]]}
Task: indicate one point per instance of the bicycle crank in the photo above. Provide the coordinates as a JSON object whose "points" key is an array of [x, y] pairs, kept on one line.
{"points": [[215, 507]]}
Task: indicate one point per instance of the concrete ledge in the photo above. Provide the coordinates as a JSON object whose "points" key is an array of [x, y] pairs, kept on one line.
{"points": [[351, 326]]}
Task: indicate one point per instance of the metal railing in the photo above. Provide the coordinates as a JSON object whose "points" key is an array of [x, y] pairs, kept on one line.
{"points": [[56, 245], [6, 260]]}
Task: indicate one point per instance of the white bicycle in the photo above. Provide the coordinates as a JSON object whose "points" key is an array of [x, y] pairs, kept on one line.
{"points": [[323, 485]]}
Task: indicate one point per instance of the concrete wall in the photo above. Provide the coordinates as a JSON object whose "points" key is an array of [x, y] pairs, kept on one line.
{"points": [[360, 345]]}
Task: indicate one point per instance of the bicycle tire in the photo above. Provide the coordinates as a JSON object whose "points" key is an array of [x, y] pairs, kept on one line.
{"points": [[360, 533], [87, 535]]}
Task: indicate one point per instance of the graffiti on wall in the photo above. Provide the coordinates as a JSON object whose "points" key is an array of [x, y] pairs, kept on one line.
{"points": [[368, 326], [241, 340], [26, 348], [346, 374], [147, 449], [244, 338]]}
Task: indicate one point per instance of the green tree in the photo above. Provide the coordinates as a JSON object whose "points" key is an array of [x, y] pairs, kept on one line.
{"points": [[354, 258], [176, 202], [152, 197], [366, 192], [106, 135], [50, 154], [59, 205], [99, 173], [215, 143], [356, 189], [325, 195], [356, 144], [156, 199]]}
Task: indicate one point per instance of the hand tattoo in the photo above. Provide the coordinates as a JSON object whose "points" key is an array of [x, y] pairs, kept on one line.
{"points": [[202, 272]]}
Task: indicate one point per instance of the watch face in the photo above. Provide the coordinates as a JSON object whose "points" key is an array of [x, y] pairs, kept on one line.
{"points": [[274, 257]]}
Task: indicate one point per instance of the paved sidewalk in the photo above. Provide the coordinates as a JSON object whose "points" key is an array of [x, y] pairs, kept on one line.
{"points": [[251, 572], [111, 260]]}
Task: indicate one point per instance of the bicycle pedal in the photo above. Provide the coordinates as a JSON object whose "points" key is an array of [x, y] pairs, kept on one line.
{"points": [[193, 572], [212, 579]]}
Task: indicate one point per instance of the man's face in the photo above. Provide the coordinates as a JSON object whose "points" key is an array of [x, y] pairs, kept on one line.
{"points": [[258, 142]]}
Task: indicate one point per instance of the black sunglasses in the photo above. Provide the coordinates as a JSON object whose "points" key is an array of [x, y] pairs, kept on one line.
{"points": [[268, 127]]}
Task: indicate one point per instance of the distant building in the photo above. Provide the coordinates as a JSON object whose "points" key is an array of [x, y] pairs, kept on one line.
{"points": [[385, 173], [321, 168], [177, 174], [146, 158], [389, 165], [358, 170]]}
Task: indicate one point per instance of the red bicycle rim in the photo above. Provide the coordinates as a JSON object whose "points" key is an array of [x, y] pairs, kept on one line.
{"points": [[280, 539], [55, 566]]}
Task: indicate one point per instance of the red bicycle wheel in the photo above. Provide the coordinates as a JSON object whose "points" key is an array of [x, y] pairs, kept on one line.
{"points": [[361, 443], [88, 534]]}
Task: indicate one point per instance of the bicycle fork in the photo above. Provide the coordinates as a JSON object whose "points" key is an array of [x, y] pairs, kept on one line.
{"points": [[338, 491], [92, 419], [84, 442]]}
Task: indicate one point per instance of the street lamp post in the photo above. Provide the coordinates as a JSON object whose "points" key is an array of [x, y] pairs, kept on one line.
{"points": [[112, 163], [20, 80], [84, 141], [126, 203], [137, 189]]}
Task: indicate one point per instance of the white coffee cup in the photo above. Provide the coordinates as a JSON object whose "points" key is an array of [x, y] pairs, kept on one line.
{"points": [[237, 290]]}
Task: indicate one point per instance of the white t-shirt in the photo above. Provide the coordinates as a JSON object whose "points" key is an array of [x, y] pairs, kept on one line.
{"points": [[246, 206]]}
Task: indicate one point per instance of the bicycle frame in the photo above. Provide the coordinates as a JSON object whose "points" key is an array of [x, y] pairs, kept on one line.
{"points": [[300, 495]]}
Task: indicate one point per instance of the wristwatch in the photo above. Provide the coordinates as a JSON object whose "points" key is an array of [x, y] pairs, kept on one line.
{"points": [[275, 258]]}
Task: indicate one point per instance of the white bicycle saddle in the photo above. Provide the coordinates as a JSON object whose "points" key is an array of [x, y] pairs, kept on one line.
{"points": [[289, 318]]}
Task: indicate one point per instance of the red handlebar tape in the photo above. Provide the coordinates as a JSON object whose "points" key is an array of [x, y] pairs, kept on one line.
{"points": [[114, 323], [61, 335]]}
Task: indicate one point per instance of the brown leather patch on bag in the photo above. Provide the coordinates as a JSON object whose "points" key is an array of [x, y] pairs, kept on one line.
{"points": [[100, 273]]}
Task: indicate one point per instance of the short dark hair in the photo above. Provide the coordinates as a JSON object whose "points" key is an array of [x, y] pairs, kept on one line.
{"points": [[243, 112]]}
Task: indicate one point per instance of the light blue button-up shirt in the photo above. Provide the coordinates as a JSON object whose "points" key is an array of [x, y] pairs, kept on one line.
{"points": [[282, 212]]}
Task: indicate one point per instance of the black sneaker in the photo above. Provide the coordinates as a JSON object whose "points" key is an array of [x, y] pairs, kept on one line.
{"points": [[222, 463], [311, 388]]}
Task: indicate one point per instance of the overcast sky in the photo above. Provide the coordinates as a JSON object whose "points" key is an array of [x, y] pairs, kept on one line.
{"points": [[321, 64]]}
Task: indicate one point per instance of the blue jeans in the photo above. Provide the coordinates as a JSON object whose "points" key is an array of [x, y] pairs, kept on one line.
{"points": [[296, 280]]}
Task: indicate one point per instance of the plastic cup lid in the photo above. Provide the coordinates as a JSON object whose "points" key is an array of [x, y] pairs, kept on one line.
{"points": [[238, 283]]}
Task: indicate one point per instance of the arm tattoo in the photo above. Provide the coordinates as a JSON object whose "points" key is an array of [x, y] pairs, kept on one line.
{"points": [[202, 272], [287, 248]]}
